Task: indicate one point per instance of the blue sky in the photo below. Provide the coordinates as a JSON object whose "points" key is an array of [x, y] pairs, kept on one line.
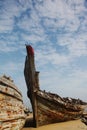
{"points": [[57, 30]]}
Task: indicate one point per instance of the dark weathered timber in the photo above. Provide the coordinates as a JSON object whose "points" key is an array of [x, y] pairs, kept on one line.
{"points": [[47, 107], [30, 74], [84, 119]]}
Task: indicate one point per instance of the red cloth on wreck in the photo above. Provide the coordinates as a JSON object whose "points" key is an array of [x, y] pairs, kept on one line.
{"points": [[30, 50]]}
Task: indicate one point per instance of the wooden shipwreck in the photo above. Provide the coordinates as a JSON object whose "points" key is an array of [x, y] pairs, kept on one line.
{"points": [[12, 115], [47, 107]]}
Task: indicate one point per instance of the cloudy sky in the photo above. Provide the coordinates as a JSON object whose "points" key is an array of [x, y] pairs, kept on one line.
{"points": [[57, 30]]}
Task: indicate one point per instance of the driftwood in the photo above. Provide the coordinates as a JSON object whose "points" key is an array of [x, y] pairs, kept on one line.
{"points": [[47, 107]]}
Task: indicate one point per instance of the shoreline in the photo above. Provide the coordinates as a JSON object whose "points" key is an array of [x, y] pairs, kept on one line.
{"points": [[69, 125]]}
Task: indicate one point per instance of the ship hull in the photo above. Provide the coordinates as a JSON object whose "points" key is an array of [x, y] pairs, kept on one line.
{"points": [[12, 115], [47, 107], [51, 111]]}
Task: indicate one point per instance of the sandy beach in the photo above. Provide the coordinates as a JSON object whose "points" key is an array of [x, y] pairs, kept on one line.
{"points": [[70, 125]]}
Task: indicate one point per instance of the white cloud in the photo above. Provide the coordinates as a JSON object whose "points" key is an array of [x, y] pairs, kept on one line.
{"points": [[6, 21], [55, 11], [5, 47], [58, 59], [10, 10], [50, 9], [6, 25], [33, 38], [79, 74], [29, 21], [76, 44], [78, 49], [56, 14], [11, 67], [72, 86]]}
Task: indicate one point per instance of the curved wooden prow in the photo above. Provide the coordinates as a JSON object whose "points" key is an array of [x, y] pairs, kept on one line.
{"points": [[30, 78], [30, 50]]}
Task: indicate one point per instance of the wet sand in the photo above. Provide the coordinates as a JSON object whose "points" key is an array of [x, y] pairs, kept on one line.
{"points": [[70, 125]]}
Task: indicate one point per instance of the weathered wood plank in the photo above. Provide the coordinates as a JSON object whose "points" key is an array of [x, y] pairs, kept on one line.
{"points": [[12, 116]]}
